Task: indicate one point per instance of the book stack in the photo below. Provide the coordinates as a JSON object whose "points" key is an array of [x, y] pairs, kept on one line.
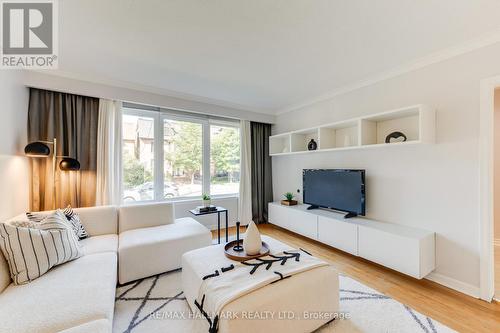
{"points": [[206, 209]]}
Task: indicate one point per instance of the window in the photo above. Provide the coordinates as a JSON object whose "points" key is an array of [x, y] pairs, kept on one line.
{"points": [[224, 159], [166, 155], [138, 158], [183, 156]]}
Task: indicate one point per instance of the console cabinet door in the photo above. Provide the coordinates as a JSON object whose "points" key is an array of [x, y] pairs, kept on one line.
{"points": [[339, 234], [399, 253], [278, 216], [303, 223]]}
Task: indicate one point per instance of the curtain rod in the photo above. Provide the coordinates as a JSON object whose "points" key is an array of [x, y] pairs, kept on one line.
{"points": [[61, 91], [132, 105], [177, 112]]}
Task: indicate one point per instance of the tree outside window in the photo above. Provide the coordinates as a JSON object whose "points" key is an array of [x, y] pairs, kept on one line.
{"points": [[183, 151], [183, 156], [224, 160]]}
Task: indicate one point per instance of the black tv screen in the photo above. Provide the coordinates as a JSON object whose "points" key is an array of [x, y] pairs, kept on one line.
{"points": [[337, 189]]}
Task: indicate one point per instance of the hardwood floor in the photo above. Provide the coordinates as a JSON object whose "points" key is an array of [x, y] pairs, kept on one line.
{"points": [[456, 310]]}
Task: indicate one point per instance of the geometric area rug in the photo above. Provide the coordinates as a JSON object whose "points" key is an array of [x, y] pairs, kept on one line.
{"points": [[157, 305]]}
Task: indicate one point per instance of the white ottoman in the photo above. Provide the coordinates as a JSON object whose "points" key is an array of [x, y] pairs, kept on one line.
{"points": [[277, 307]]}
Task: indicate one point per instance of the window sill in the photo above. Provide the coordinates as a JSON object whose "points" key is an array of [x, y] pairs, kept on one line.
{"points": [[184, 199], [213, 197]]}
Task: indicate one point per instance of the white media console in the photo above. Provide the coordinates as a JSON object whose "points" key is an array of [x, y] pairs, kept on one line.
{"points": [[405, 249]]}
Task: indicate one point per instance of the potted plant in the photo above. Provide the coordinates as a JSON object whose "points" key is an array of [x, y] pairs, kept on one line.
{"points": [[289, 199], [206, 200]]}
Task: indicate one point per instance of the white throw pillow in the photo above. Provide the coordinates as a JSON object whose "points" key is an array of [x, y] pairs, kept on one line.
{"points": [[33, 251], [72, 218]]}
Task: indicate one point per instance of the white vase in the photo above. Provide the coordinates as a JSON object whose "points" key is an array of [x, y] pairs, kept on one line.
{"points": [[206, 203], [252, 241]]}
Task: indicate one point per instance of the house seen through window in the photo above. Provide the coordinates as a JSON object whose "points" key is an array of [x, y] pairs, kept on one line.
{"points": [[180, 149]]}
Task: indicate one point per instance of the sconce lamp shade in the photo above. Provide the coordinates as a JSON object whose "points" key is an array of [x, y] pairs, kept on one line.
{"points": [[37, 149], [69, 164], [40, 149]]}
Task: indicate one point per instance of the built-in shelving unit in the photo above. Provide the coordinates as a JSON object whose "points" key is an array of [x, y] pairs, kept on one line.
{"points": [[417, 122]]}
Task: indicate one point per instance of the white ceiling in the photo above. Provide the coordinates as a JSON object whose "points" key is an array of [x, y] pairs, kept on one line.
{"points": [[260, 55]]}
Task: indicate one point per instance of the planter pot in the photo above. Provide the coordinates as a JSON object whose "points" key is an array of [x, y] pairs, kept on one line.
{"points": [[206, 203], [289, 202]]}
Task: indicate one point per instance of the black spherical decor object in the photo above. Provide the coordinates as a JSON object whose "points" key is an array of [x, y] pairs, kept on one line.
{"points": [[312, 145], [396, 136]]}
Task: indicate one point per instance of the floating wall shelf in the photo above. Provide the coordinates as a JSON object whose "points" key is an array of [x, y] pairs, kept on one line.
{"points": [[417, 122]]}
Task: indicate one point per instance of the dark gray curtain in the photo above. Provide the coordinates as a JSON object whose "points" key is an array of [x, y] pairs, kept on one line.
{"points": [[72, 120], [262, 178]]}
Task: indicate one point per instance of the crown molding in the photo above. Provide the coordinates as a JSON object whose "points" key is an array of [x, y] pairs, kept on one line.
{"points": [[436, 57]]}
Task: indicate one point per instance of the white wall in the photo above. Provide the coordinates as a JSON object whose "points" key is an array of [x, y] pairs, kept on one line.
{"points": [[432, 187], [496, 163], [94, 89], [14, 167]]}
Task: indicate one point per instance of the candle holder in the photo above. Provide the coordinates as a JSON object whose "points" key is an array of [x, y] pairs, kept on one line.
{"points": [[238, 247]]}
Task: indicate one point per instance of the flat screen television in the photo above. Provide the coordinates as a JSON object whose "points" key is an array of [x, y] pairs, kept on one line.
{"points": [[338, 189]]}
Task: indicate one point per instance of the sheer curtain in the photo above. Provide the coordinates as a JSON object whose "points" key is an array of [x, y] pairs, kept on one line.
{"points": [[109, 153], [245, 198]]}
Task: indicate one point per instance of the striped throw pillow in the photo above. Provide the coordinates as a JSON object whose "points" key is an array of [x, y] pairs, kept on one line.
{"points": [[72, 218], [32, 252], [76, 224]]}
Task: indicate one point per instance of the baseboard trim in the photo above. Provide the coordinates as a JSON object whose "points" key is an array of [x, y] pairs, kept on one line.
{"points": [[449, 282]]}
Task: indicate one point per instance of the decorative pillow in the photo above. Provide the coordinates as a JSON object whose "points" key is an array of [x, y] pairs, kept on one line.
{"points": [[32, 252], [76, 224], [23, 224], [35, 217], [72, 218]]}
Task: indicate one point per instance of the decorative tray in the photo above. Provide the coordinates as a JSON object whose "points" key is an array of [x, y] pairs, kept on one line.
{"points": [[242, 256]]}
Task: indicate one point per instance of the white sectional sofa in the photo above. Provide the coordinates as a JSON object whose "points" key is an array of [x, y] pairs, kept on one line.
{"points": [[151, 241], [126, 243]]}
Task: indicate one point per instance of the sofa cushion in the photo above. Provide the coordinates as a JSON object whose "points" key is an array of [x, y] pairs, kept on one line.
{"points": [[70, 295], [96, 326], [5, 279], [99, 244], [145, 215], [162, 245], [31, 252], [101, 220], [72, 218]]}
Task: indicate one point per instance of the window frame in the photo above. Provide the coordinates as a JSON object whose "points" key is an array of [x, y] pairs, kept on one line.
{"points": [[159, 116], [154, 116], [221, 123]]}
